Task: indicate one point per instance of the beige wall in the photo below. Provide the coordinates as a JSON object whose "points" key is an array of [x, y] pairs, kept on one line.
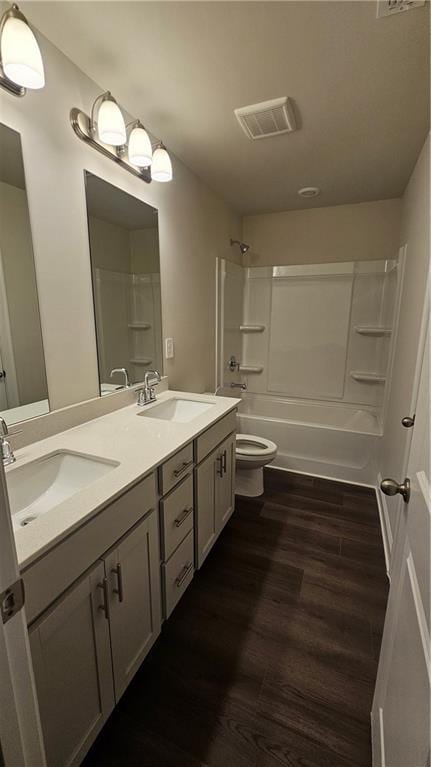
{"points": [[366, 230], [194, 228], [21, 291], [415, 233], [110, 245], [144, 251]]}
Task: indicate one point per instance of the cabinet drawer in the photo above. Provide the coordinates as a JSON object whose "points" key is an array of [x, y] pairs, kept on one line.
{"points": [[177, 516], [214, 435], [174, 470], [50, 575], [178, 574]]}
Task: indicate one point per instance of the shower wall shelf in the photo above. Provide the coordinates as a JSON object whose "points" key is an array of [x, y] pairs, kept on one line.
{"points": [[372, 378], [373, 330], [251, 368], [139, 325], [251, 328], [141, 361]]}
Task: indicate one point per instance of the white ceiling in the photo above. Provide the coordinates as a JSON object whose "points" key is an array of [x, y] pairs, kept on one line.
{"points": [[360, 86]]}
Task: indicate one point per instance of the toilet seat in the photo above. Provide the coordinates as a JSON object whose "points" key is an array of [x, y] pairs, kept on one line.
{"points": [[249, 447]]}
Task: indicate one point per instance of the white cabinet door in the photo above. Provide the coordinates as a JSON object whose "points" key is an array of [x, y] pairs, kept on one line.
{"points": [[224, 484], [401, 706], [205, 520], [71, 654], [215, 496], [133, 572]]}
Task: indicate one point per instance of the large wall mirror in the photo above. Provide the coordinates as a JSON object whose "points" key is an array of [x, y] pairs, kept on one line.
{"points": [[23, 387], [125, 265]]}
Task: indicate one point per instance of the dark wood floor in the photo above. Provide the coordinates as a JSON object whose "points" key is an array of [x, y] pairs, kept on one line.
{"points": [[270, 658]]}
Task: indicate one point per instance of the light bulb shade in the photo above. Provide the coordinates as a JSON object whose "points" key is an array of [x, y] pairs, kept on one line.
{"points": [[161, 168], [20, 54], [111, 128], [140, 149]]}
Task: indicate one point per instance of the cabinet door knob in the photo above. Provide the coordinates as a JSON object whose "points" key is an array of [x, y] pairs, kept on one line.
{"points": [[119, 590], [220, 465], [105, 605]]}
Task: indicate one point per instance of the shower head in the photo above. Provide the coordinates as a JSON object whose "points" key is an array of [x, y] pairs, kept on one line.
{"points": [[242, 245]]}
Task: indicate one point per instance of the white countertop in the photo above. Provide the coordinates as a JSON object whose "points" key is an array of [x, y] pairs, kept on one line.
{"points": [[139, 445]]}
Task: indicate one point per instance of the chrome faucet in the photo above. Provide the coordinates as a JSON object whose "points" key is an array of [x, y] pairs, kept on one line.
{"points": [[125, 374], [6, 451], [148, 393]]}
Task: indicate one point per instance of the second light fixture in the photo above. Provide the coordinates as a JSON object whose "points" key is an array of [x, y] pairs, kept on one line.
{"points": [[107, 124]]}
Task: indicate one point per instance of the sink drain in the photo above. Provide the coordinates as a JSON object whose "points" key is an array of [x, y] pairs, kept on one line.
{"points": [[27, 521]]}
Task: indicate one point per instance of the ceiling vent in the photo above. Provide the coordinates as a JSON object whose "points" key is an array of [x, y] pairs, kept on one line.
{"points": [[270, 118], [392, 7]]}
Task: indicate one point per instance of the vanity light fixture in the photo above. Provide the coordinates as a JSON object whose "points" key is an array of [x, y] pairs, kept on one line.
{"points": [[140, 151], [161, 169], [20, 57], [106, 131], [110, 126]]}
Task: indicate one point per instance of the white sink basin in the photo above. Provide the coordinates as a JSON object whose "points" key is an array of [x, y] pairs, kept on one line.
{"points": [[39, 486], [176, 409]]}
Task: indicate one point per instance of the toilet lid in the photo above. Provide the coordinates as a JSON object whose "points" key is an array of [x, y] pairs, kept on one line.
{"points": [[248, 444]]}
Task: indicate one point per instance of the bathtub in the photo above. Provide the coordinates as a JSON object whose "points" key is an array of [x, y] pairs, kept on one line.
{"points": [[327, 440]]}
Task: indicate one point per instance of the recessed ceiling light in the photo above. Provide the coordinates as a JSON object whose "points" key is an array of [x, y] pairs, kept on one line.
{"points": [[309, 191]]}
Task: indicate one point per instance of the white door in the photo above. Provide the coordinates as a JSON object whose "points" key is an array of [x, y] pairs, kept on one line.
{"points": [[20, 732], [401, 706]]}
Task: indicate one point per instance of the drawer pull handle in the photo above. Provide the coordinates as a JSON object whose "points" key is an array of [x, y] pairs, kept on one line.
{"points": [[119, 590], [105, 605], [224, 462], [181, 469], [183, 516], [183, 574]]}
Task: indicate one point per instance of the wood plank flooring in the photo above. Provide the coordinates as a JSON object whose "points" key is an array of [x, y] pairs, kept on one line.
{"points": [[270, 658]]}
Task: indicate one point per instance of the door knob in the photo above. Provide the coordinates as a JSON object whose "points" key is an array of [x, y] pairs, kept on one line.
{"points": [[408, 421], [391, 487]]}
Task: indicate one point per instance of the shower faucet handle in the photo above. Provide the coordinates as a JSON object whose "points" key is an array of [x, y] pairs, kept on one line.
{"points": [[233, 364]]}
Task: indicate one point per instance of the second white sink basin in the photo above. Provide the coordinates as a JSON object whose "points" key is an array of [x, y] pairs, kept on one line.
{"points": [[39, 486], [176, 409]]}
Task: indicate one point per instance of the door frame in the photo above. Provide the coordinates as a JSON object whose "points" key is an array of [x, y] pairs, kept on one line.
{"points": [[21, 740]]}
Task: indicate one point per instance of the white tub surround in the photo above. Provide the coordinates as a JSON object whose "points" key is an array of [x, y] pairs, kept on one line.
{"points": [[138, 444], [316, 438]]}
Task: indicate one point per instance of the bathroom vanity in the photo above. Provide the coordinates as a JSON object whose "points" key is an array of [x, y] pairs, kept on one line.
{"points": [[105, 567]]}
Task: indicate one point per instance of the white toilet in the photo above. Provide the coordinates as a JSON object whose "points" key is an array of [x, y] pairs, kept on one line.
{"points": [[252, 454]]}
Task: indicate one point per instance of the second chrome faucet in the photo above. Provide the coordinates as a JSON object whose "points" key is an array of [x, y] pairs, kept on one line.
{"points": [[147, 393]]}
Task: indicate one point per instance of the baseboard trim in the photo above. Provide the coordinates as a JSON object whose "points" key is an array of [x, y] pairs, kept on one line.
{"points": [[320, 476]]}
